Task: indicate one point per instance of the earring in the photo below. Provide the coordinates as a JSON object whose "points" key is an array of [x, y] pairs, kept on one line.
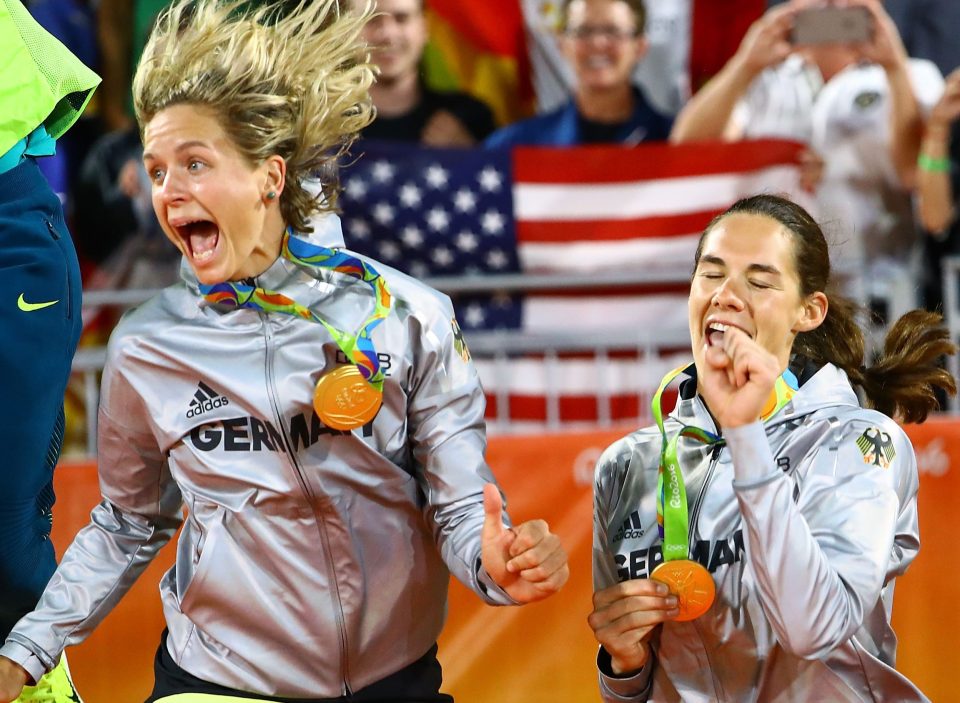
{"points": [[271, 195]]}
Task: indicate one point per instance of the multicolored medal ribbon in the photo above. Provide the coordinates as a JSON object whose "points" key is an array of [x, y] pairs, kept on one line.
{"points": [[349, 396], [689, 580]]}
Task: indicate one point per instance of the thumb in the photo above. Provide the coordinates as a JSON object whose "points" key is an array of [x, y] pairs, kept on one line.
{"points": [[492, 512]]}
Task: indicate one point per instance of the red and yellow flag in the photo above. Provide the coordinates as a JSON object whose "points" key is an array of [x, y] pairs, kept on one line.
{"points": [[480, 48]]}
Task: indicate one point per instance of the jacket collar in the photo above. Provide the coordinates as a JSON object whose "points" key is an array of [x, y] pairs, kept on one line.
{"points": [[570, 120]]}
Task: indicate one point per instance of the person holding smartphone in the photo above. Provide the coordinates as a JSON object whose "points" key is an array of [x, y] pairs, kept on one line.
{"points": [[859, 102]]}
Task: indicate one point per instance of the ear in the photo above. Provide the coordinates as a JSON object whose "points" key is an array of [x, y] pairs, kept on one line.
{"points": [[275, 174], [641, 46], [814, 312]]}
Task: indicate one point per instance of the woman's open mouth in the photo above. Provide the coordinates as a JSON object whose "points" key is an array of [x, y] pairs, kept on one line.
{"points": [[200, 236], [716, 330]]}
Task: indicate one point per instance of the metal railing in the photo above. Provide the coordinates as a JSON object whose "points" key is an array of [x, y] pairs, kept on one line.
{"points": [[497, 348]]}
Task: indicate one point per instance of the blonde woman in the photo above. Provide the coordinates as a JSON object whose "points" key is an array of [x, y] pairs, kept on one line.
{"points": [[317, 413]]}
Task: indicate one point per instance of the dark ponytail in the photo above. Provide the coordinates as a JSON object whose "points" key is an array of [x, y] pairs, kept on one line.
{"points": [[902, 383]]}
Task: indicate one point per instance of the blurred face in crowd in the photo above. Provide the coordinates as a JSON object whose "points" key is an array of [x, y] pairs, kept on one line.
{"points": [[397, 34], [746, 278], [602, 43], [211, 202]]}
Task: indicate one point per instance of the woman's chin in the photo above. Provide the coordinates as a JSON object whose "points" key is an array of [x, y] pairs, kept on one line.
{"points": [[208, 274]]}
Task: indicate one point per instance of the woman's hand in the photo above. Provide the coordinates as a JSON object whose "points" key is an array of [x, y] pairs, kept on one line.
{"points": [[526, 561], [948, 108], [738, 380], [885, 46], [767, 41], [13, 678], [624, 617]]}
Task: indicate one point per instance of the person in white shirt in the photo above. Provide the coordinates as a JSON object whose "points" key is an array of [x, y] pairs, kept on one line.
{"points": [[860, 108]]}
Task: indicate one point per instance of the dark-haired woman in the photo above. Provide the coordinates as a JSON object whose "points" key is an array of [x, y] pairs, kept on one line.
{"points": [[745, 548]]}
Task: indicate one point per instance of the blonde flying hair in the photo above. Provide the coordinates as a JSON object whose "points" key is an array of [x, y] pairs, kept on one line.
{"points": [[287, 78]]}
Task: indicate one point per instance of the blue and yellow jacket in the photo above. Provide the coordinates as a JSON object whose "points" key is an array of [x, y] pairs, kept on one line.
{"points": [[43, 89]]}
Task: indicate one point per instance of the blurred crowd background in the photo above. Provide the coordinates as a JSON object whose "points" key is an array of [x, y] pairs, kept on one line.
{"points": [[876, 117]]}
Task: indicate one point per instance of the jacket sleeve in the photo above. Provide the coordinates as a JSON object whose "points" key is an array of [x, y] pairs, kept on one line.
{"points": [[821, 553], [611, 472], [139, 513], [445, 412]]}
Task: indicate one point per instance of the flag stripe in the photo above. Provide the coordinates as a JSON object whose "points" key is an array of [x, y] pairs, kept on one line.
{"points": [[661, 318], [578, 202], [493, 26], [661, 254], [649, 162], [576, 377], [631, 409], [676, 225]]}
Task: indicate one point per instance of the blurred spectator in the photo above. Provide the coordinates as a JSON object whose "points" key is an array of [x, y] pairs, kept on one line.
{"points": [[663, 75], [73, 23], [122, 28], [407, 110], [604, 42], [115, 226], [928, 29], [114, 18], [938, 188], [860, 107]]}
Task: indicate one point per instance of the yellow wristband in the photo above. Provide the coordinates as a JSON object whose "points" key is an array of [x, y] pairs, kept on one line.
{"points": [[932, 165]]}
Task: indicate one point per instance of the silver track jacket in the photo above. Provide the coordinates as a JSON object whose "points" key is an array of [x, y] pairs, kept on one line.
{"points": [[312, 562], [804, 523]]}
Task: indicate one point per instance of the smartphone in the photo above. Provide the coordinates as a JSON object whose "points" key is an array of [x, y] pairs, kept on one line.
{"points": [[832, 25]]}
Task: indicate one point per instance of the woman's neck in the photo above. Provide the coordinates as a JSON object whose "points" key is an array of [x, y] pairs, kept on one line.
{"points": [[608, 106], [397, 97]]}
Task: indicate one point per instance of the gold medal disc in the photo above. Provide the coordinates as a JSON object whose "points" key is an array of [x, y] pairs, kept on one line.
{"points": [[344, 400], [691, 583]]}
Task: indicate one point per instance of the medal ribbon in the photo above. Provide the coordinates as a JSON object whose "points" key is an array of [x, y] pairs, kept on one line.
{"points": [[358, 348], [672, 513]]}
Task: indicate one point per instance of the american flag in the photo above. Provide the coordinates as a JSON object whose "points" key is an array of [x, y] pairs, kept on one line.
{"points": [[583, 210], [436, 212], [566, 211]]}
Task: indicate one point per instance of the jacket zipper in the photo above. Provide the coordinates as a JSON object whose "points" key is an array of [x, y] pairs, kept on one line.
{"points": [[56, 237], [694, 517], [321, 522]]}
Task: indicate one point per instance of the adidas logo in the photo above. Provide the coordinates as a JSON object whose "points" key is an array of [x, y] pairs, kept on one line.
{"points": [[630, 529], [205, 399]]}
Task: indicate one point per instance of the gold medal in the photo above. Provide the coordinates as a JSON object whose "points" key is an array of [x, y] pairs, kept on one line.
{"points": [[690, 583], [344, 400]]}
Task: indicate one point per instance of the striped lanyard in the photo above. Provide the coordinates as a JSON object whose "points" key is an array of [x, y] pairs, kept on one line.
{"points": [[672, 514], [358, 348]]}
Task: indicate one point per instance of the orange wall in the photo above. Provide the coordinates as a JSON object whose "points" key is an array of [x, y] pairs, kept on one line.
{"points": [[543, 653]]}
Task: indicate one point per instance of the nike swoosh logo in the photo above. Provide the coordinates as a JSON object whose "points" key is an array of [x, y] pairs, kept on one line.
{"points": [[30, 307]]}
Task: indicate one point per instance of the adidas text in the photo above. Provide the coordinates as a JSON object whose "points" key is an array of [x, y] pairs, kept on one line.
{"points": [[206, 405]]}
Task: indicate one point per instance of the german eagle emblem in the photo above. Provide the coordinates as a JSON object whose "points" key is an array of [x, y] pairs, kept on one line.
{"points": [[459, 343], [876, 447]]}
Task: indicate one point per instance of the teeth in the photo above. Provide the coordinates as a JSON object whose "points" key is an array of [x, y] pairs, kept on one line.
{"points": [[203, 256], [598, 62], [719, 327]]}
